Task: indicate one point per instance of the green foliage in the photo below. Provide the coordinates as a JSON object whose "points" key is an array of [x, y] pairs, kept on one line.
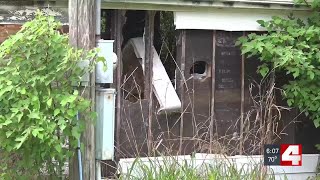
{"points": [[173, 168], [292, 45], [39, 105]]}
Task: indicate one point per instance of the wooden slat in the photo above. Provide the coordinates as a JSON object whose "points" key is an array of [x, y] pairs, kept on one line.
{"points": [[148, 93], [213, 90], [182, 83], [118, 36], [242, 104]]}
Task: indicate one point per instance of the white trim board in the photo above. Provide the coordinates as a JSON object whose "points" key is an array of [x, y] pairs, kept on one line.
{"points": [[229, 19]]}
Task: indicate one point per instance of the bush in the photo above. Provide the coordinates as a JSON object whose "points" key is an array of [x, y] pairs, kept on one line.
{"points": [[291, 45], [39, 105]]}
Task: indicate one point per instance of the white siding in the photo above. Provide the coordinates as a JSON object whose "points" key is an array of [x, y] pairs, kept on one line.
{"points": [[229, 19]]}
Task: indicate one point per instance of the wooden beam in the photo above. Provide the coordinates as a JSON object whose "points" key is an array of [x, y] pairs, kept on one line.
{"points": [[148, 73], [118, 39], [82, 35], [182, 82], [213, 90], [242, 103]]}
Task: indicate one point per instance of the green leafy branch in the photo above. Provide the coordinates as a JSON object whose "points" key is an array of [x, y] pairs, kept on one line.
{"points": [[291, 45], [39, 103]]}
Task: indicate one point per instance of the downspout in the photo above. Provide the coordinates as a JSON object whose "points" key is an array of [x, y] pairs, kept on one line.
{"points": [[79, 155]]}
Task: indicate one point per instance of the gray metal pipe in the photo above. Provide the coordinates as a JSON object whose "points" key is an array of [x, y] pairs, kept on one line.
{"points": [[79, 156]]}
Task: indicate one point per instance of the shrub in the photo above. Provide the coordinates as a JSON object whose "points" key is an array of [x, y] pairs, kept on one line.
{"points": [[39, 105], [291, 45]]}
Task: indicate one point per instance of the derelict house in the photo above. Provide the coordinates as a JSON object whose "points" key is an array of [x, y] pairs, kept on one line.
{"points": [[182, 84]]}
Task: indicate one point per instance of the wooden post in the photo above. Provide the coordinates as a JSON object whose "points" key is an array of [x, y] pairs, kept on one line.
{"points": [[182, 84], [242, 107], [82, 35], [118, 37], [148, 74], [213, 90], [241, 144]]}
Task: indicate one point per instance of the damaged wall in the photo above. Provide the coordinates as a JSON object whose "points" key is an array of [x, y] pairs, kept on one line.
{"points": [[8, 29], [211, 67], [14, 13], [216, 85]]}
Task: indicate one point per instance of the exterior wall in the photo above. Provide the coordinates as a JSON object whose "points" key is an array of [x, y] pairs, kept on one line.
{"points": [[227, 101], [230, 84], [218, 86], [197, 92], [8, 29]]}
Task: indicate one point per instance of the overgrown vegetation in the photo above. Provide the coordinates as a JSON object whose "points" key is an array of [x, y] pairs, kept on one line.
{"points": [[39, 104], [292, 45], [173, 168]]}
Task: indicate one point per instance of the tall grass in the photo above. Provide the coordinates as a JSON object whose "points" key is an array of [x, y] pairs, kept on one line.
{"points": [[176, 168]]}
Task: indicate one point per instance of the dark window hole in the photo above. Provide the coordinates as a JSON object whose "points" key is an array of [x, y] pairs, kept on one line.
{"points": [[199, 68]]}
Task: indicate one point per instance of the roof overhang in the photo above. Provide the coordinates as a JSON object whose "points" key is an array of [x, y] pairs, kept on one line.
{"points": [[199, 5], [230, 19], [19, 11]]}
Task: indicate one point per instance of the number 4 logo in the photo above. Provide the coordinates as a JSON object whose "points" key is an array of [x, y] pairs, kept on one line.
{"points": [[291, 154]]}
